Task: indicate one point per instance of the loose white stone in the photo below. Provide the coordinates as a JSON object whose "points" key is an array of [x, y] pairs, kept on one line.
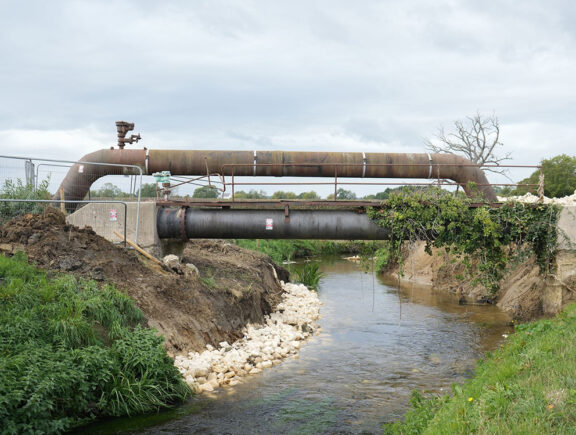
{"points": [[262, 346]]}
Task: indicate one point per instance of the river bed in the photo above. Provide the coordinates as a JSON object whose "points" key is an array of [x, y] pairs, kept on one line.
{"points": [[377, 344]]}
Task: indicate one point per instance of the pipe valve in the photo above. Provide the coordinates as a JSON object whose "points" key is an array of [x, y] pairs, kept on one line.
{"points": [[123, 128]]}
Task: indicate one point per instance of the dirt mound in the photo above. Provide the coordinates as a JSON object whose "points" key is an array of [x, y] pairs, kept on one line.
{"points": [[234, 286]]}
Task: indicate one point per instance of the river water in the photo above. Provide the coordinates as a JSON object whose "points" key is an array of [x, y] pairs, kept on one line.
{"points": [[377, 344]]}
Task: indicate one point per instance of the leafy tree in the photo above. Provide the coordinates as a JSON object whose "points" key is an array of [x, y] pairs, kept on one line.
{"points": [[18, 190], [252, 194], [343, 194], [308, 195], [148, 190], [108, 190], [206, 192], [400, 189], [283, 195], [476, 138], [559, 177]]}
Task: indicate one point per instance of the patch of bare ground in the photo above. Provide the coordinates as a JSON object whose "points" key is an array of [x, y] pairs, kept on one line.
{"points": [[234, 286], [521, 293]]}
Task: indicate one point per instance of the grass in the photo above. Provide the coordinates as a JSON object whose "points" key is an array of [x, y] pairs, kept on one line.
{"points": [[71, 352], [287, 250], [527, 386], [310, 275]]}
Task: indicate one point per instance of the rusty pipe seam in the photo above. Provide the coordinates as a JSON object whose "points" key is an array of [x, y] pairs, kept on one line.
{"points": [[76, 184], [323, 164]]}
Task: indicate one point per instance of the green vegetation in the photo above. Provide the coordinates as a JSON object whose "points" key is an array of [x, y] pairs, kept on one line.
{"points": [[206, 192], [287, 250], [343, 194], [559, 177], [148, 190], [252, 194], [108, 190], [19, 190], [280, 194], [485, 239], [527, 386], [71, 352], [310, 275]]}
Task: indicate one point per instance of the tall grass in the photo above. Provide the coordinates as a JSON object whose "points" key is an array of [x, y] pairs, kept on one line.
{"points": [[18, 190], [310, 275], [70, 352], [287, 250], [527, 386]]}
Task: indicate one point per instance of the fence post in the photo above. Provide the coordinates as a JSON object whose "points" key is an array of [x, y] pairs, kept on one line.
{"points": [[62, 201]]}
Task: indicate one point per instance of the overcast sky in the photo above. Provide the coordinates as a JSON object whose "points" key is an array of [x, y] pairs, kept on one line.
{"points": [[363, 75]]}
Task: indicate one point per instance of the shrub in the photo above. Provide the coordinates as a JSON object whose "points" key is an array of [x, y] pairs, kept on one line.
{"points": [[71, 352]]}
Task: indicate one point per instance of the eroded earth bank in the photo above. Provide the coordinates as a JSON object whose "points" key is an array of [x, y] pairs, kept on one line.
{"points": [[233, 287]]}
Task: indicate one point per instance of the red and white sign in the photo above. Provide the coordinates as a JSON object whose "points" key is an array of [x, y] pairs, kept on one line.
{"points": [[113, 215], [269, 224]]}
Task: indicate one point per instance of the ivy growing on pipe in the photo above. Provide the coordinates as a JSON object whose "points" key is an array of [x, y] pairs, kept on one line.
{"points": [[483, 238]]}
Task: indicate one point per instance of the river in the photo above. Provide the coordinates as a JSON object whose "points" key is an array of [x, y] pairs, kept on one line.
{"points": [[377, 344]]}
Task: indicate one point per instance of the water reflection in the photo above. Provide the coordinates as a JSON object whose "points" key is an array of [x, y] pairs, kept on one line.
{"points": [[378, 343]]}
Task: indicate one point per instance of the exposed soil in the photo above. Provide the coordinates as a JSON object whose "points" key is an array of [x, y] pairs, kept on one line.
{"points": [[521, 293], [234, 286]]}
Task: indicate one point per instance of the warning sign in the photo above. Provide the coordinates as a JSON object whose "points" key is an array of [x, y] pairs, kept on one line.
{"points": [[113, 215], [269, 224]]}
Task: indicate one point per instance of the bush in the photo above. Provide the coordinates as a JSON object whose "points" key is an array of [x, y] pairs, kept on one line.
{"points": [[70, 352], [18, 190], [485, 239]]}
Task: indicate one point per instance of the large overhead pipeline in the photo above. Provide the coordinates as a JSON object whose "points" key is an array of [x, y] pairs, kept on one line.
{"points": [[277, 164]]}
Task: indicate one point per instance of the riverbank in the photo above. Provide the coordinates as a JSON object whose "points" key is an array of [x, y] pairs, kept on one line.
{"points": [[71, 352], [97, 357], [527, 386], [232, 288], [287, 250], [261, 347]]}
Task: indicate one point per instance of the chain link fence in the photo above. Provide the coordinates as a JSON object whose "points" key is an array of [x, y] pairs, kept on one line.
{"points": [[28, 185]]}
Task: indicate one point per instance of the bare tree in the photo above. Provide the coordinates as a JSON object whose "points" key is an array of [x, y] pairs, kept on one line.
{"points": [[476, 138]]}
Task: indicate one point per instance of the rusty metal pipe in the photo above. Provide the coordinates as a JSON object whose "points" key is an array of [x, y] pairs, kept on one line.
{"points": [[283, 163], [324, 164], [93, 166]]}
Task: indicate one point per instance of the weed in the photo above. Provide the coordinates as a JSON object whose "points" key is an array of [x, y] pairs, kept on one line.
{"points": [[70, 352], [18, 190], [209, 281], [310, 275], [526, 386]]}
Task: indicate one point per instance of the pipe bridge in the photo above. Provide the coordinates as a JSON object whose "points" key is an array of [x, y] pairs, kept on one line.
{"points": [[273, 219]]}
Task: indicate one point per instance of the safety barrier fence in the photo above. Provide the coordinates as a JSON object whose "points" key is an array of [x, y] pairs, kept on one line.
{"points": [[336, 181], [116, 223], [36, 180]]}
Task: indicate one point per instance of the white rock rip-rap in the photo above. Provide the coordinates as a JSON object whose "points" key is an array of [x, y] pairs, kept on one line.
{"points": [[261, 346], [533, 199]]}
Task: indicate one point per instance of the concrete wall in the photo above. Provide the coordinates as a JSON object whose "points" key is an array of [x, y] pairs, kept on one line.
{"points": [[567, 228], [556, 293], [105, 219]]}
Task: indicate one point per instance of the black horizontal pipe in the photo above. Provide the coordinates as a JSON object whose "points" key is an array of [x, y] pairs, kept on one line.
{"points": [[194, 223]]}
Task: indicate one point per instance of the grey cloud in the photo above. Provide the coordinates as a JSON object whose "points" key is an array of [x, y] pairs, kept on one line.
{"points": [[370, 74]]}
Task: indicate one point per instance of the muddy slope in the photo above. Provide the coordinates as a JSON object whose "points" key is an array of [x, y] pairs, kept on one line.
{"points": [[521, 293], [234, 286]]}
